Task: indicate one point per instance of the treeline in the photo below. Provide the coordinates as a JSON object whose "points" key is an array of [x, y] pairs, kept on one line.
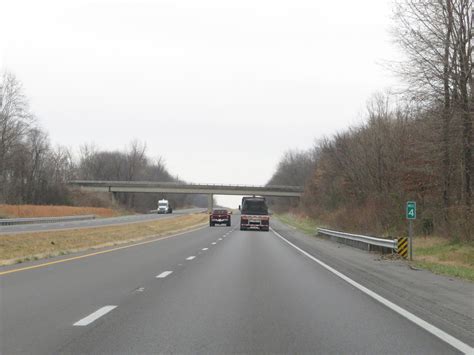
{"points": [[416, 145], [32, 171]]}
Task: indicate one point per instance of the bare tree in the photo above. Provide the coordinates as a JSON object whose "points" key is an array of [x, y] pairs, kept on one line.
{"points": [[436, 36], [15, 121]]}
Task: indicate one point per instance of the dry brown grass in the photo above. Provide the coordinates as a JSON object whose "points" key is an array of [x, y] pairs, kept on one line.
{"points": [[444, 256], [33, 246], [25, 211], [444, 251]]}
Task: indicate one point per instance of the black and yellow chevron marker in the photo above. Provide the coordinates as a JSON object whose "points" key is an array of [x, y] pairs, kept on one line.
{"points": [[402, 246]]}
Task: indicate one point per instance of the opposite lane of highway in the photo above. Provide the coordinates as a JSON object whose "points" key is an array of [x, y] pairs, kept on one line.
{"points": [[91, 223]]}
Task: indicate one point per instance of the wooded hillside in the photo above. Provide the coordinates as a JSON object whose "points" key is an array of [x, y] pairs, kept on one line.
{"points": [[414, 145]]}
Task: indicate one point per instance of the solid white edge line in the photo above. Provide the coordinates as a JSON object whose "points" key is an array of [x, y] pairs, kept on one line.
{"points": [[190, 257], [93, 316], [164, 274], [454, 342]]}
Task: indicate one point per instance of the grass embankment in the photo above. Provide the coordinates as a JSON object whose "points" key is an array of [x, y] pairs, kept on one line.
{"points": [[28, 211], [34, 246], [444, 256], [439, 255], [304, 224]]}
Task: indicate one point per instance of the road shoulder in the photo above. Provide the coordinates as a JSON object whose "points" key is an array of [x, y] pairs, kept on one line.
{"points": [[443, 301]]}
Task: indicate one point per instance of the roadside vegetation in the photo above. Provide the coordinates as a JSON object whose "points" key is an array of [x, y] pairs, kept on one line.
{"points": [[413, 145], [22, 247], [440, 255], [301, 222], [29, 211], [444, 256]]}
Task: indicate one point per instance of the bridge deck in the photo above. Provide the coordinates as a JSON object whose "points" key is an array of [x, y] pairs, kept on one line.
{"points": [[173, 187]]}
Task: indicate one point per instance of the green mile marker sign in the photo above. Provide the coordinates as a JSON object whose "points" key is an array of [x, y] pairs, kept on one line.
{"points": [[411, 210]]}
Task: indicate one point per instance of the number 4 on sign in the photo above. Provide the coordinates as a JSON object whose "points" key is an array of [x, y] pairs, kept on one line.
{"points": [[411, 210]]}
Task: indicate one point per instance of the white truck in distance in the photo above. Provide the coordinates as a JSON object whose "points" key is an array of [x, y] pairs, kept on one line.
{"points": [[164, 207]]}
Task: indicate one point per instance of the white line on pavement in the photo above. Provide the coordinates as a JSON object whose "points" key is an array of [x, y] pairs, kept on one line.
{"points": [[204, 249], [190, 257], [213, 243], [465, 348], [220, 239], [164, 274], [92, 317]]}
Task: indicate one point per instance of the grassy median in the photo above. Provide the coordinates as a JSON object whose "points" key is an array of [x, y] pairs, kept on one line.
{"points": [[16, 248], [439, 255]]}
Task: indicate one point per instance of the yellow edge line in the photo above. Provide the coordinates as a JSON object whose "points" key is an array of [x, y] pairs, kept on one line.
{"points": [[97, 253]]}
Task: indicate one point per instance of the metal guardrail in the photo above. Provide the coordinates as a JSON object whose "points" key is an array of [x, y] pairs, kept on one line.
{"points": [[14, 221], [379, 242]]}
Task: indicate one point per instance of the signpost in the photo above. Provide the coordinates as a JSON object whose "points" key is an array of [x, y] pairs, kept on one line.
{"points": [[410, 216]]}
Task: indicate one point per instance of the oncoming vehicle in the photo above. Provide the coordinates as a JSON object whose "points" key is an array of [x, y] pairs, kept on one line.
{"points": [[254, 214], [219, 216], [164, 207]]}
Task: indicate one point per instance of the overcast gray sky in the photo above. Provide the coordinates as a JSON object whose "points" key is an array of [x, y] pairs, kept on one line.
{"points": [[219, 89]]}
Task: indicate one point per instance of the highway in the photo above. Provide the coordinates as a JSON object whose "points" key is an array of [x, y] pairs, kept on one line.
{"points": [[217, 290], [98, 222]]}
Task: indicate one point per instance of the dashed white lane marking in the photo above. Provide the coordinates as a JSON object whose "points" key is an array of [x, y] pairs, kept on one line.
{"points": [[213, 243], [456, 343], [164, 274], [92, 317], [220, 239], [190, 257], [204, 249]]}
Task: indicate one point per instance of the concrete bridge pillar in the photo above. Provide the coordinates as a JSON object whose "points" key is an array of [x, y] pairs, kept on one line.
{"points": [[114, 198], [210, 202]]}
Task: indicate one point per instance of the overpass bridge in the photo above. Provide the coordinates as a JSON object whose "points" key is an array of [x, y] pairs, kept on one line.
{"points": [[186, 188]]}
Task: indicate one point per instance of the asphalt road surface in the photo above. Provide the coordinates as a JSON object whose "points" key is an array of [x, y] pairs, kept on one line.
{"points": [[99, 222], [212, 290]]}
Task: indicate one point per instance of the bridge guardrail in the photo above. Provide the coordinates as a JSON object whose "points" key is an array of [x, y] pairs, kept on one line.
{"points": [[14, 221], [359, 239]]}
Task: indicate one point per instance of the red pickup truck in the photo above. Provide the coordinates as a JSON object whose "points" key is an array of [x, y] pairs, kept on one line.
{"points": [[219, 217]]}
